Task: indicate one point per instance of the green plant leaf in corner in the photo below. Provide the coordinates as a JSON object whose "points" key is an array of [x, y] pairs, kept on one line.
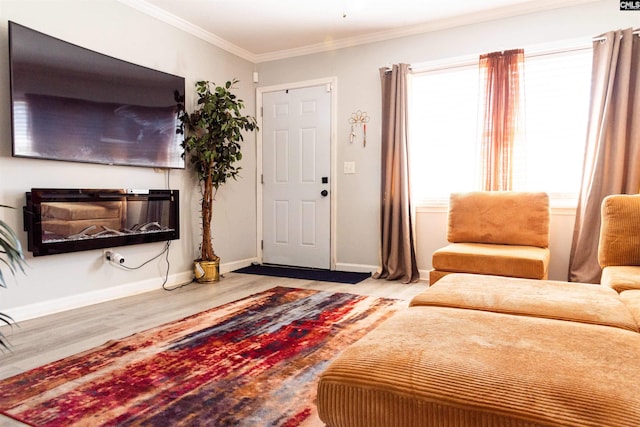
{"points": [[11, 258], [10, 251]]}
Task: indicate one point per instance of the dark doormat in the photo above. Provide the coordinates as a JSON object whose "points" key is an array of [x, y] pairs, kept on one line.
{"points": [[305, 273]]}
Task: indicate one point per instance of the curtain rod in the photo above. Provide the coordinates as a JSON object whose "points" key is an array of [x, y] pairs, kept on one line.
{"points": [[603, 38], [472, 60]]}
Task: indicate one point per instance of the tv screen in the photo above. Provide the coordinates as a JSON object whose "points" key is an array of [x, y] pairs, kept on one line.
{"points": [[70, 103]]}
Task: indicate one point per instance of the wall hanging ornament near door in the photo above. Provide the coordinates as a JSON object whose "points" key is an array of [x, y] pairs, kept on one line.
{"points": [[359, 118]]}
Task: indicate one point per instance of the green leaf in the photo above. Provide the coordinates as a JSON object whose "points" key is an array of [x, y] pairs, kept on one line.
{"points": [[11, 257]]}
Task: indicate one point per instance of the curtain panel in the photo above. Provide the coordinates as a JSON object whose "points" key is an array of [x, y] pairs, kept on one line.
{"points": [[612, 153], [397, 255], [502, 109]]}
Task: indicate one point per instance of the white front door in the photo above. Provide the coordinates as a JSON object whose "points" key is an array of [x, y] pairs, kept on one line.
{"points": [[296, 166]]}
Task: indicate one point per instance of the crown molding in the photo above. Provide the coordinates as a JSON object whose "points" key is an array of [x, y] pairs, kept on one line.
{"points": [[532, 6], [476, 18], [181, 24]]}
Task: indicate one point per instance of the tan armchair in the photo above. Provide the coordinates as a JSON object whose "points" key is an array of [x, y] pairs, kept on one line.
{"points": [[619, 244], [496, 233]]}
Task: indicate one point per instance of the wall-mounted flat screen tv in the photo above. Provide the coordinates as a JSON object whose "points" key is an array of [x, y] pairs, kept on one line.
{"points": [[73, 104]]}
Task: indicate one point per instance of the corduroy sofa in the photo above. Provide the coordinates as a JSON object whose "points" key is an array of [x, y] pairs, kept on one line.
{"points": [[480, 350]]}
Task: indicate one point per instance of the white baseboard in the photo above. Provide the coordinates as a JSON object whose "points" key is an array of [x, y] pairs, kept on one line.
{"points": [[360, 268], [356, 268], [424, 275], [44, 308], [232, 266]]}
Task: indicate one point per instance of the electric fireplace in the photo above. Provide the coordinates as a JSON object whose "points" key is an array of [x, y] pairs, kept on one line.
{"points": [[69, 220]]}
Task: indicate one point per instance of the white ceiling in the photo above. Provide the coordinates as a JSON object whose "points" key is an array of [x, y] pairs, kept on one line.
{"points": [[260, 30]]}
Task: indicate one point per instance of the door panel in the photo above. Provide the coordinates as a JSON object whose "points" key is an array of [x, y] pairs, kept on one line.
{"points": [[296, 156]]}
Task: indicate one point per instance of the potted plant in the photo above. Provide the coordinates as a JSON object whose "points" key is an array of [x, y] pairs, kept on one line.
{"points": [[11, 258], [212, 136]]}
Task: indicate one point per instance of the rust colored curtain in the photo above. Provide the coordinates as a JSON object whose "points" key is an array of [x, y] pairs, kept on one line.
{"points": [[398, 259], [502, 94], [612, 153]]}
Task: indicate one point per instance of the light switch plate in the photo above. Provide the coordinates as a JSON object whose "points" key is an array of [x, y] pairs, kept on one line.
{"points": [[349, 167]]}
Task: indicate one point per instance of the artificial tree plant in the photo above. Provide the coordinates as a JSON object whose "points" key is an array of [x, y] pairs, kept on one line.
{"points": [[212, 136], [11, 258]]}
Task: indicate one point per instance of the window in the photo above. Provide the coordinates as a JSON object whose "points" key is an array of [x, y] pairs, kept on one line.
{"points": [[443, 106], [442, 132], [557, 92]]}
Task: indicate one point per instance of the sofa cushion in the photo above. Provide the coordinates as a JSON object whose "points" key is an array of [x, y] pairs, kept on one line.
{"points": [[620, 230], [445, 366], [503, 260], [500, 217], [577, 302], [621, 278], [632, 300]]}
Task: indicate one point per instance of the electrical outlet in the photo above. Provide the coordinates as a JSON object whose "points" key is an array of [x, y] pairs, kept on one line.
{"points": [[114, 257]]}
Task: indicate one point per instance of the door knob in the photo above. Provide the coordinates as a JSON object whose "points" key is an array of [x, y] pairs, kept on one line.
{"points": [[324, 193]]}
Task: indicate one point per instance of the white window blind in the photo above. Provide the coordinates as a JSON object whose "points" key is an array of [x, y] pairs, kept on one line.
{"points": [[557, 102], [442, 132], [443, 127]]}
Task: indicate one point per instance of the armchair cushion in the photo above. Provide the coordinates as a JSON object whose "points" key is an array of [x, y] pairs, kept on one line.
{"points": [[528, 262], [499, 217]]}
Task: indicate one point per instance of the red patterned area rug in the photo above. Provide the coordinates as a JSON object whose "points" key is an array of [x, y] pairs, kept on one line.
{"points": [[252, 362]]}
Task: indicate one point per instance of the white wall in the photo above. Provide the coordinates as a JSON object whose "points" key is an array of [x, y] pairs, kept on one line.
{"points": [[356, 69], [63, 281]]}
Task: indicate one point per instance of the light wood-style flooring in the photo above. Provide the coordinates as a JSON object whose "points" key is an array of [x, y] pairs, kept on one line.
{"points": [[47, 339]]}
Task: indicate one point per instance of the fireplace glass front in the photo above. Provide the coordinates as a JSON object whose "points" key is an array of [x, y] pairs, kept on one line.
{"points": [[70, 220]]}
